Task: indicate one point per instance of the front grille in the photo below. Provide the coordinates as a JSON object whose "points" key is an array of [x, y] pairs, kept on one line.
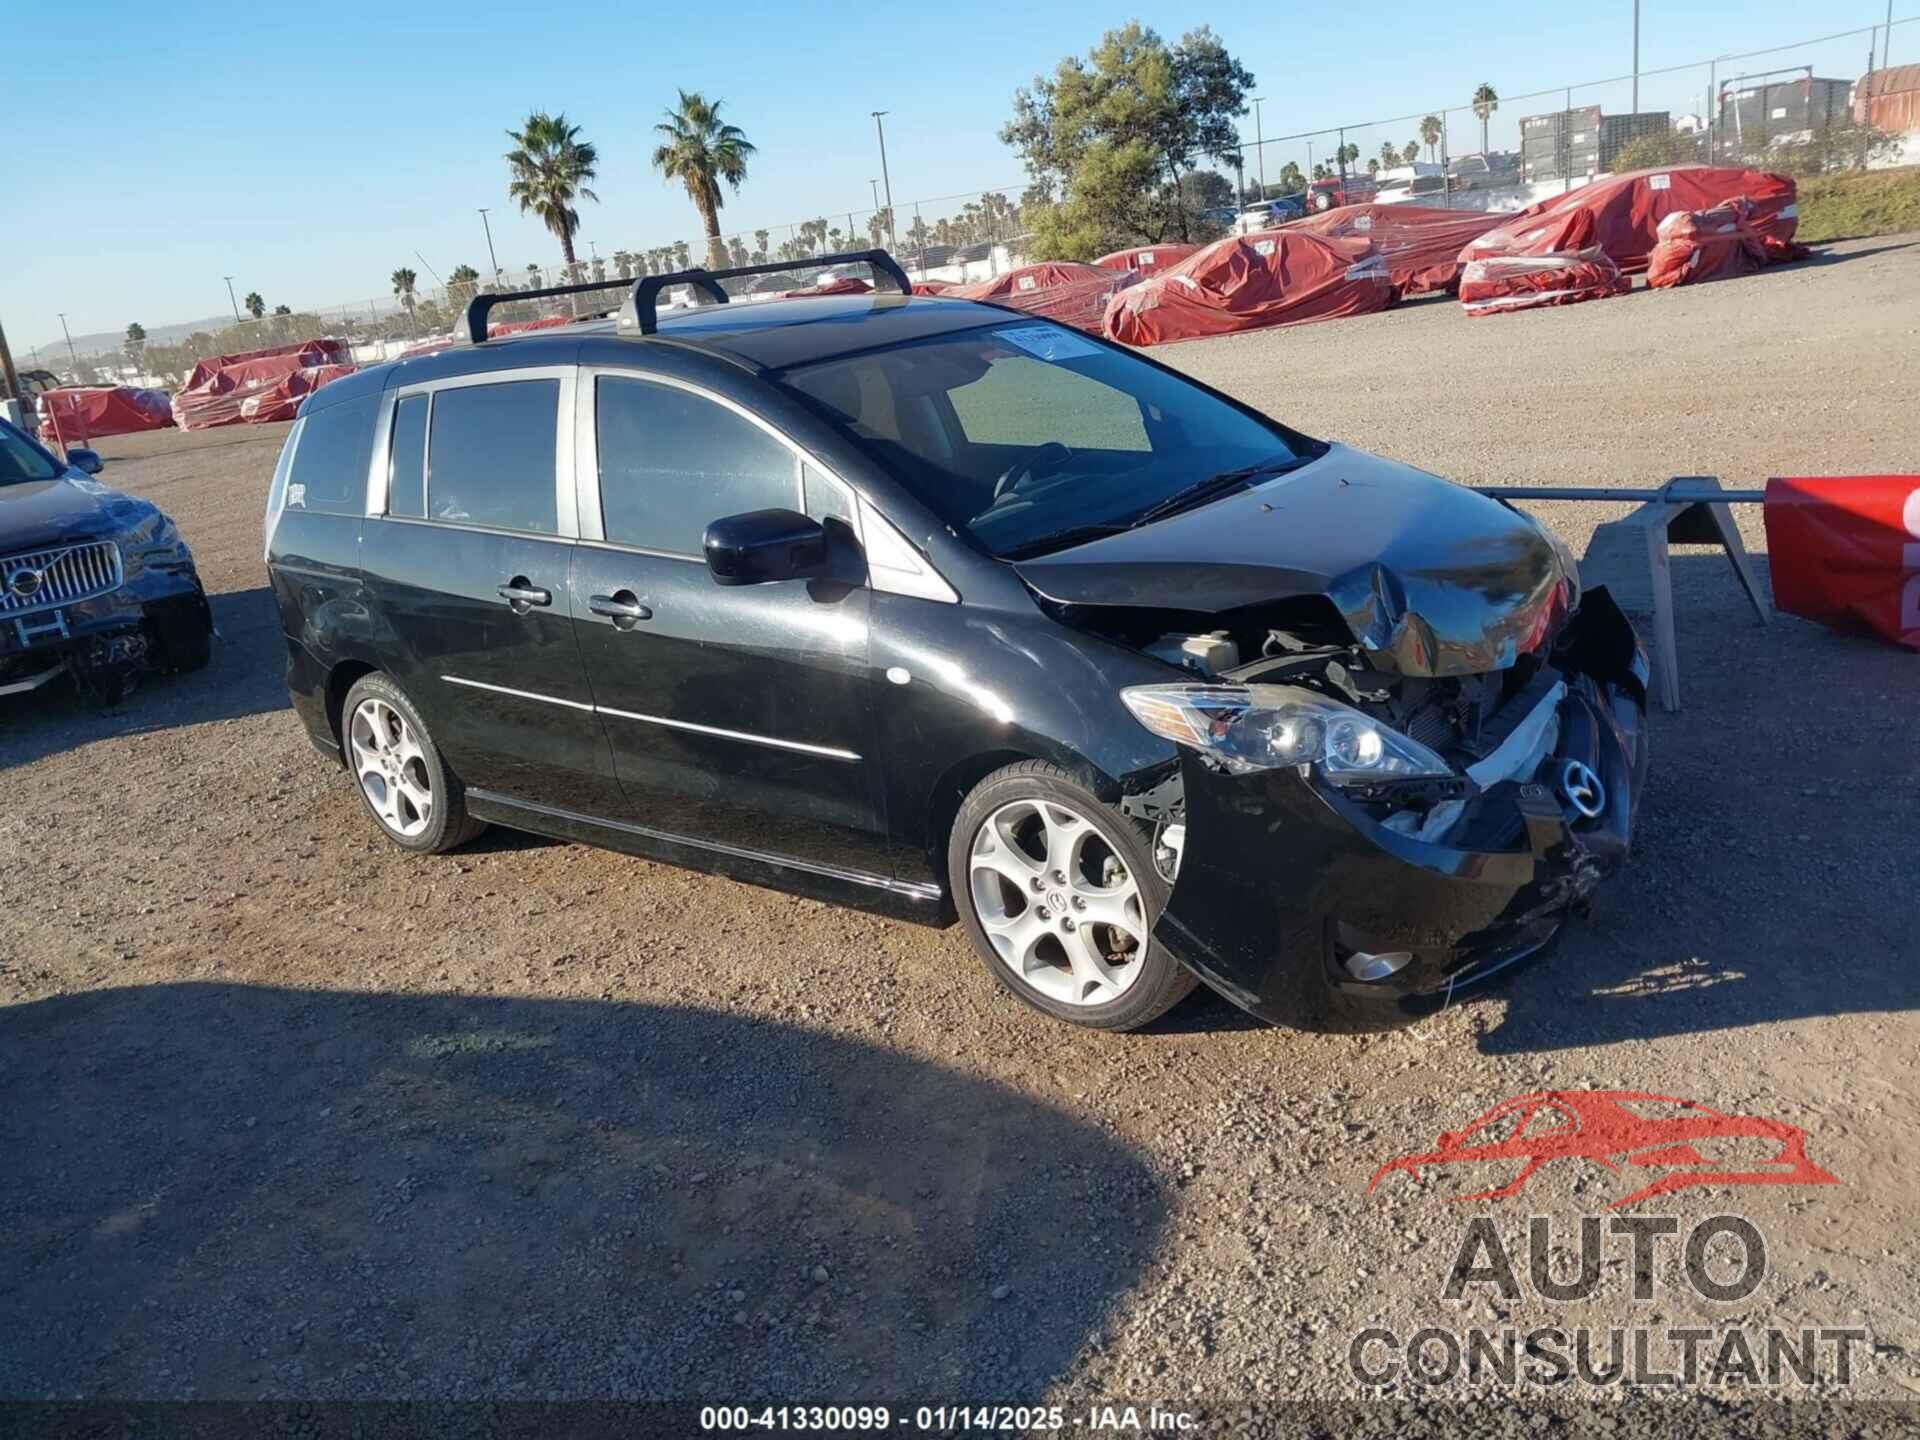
{"points": [[41, 579]]}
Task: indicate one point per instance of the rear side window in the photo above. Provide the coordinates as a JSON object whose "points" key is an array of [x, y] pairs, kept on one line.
{"points": [[407, 459], [672, 462], [492, 451], [330, 465]]}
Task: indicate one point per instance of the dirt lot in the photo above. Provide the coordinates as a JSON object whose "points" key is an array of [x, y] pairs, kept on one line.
{"points": [[289, 1114]]}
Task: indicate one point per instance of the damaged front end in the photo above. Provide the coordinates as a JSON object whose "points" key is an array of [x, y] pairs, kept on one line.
{"points": [[1350, 846]]}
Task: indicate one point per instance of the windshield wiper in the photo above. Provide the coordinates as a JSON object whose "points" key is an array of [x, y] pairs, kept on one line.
{"points": [[1215, 485], [1061, 539]]}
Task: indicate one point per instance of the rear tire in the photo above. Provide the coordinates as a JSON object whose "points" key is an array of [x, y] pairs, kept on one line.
{"points": [[417, 801], [1059, 893]]}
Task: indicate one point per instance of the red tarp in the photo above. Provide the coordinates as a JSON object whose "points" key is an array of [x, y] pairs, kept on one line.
{"points": [[932, 287], [1252, 282], [840, 285], [1061, 290], [1421, 244], [1625, 211], [1147, 259], [259, 385], [1697, 245], [1845, 550], [83, 414], [1522, 282]]}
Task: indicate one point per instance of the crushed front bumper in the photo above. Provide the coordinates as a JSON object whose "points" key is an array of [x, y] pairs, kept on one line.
{"points": [[1284, 879], [127, 629]]}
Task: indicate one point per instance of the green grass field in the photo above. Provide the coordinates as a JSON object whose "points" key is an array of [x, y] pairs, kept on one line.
{"points": [[1854, 204]]}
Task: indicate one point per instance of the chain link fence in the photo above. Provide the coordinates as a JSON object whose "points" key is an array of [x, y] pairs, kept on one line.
{"points": [[1801, 108]]}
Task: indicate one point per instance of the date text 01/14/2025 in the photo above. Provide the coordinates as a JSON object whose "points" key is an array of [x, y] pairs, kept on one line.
{"points": [[1002, 1419]]}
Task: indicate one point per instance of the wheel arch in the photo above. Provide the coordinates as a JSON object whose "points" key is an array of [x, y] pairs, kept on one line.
{"points": [[340, 679], [950, 791]]}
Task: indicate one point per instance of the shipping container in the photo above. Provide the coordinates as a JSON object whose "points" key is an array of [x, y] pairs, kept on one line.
{"points": [[1760, 111], [1562, 145]]}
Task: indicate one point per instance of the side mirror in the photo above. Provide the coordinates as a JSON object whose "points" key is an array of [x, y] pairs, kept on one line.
{"points": [[764, 545], [86, 461]]}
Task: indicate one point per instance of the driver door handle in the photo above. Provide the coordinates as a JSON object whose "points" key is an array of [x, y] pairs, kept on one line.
{"points": [[622, 607], [522, 594]]}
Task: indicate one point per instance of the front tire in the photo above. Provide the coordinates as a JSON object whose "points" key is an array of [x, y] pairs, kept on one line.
{"points": [[406, 786], [1059, 893]]}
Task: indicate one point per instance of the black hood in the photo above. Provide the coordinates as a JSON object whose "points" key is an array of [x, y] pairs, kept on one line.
{"points": [[1430, 577], [35, 514]]}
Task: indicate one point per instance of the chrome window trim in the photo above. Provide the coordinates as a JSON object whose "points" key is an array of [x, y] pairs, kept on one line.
{"points": [[517, 694], [830, 752], [565, 505], [587, 452]]}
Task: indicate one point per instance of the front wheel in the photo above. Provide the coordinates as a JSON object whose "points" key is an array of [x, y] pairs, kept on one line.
{"points": [[403, 781], [1059, 893]]}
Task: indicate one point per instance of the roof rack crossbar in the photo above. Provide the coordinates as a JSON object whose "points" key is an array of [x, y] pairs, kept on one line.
{"points": [[639, 313], [480, 305]]}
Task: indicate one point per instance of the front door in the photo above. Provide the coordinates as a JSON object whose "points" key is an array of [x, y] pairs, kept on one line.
{"points": [[469, 572], [739, 716]]}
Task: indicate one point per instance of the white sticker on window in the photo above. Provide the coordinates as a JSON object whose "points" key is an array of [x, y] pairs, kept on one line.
{"points": [[1025, 282], [1146, 257], [1659, 182], [1048, 342]]}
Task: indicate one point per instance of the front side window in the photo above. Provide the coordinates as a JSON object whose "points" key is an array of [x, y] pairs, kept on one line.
{"points": [[1027, 437], [672, 462], [491, 453]]}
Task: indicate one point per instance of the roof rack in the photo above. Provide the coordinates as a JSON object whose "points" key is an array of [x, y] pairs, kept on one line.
{"points": [[640, 312]]}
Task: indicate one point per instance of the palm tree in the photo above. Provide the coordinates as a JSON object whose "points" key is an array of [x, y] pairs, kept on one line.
{"points": [[462, 285], [700, 151], [404, 281], [254, 305], [1485, 102], [1430, 131], [550, 165], [1389, 155], [1411, 153]]}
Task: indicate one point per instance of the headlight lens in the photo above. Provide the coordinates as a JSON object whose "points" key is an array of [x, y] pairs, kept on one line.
{"points": [[152, 531], [1267, 727]]}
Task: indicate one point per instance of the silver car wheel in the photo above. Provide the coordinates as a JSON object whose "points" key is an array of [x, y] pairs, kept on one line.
{"points": [[391, 767], [1059, 905]]}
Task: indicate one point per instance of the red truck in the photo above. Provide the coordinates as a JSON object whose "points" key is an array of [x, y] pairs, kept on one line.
{"points": [[1334, 191]]}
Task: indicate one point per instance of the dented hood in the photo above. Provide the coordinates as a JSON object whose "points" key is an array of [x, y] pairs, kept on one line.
{"points": [[1430, 577]]}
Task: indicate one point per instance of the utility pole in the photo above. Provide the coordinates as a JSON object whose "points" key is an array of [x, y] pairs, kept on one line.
{"points": [[492, 259], [69, 334], [1636, 56], [885, 179], [230, 300], [1259, 146], [1886, 49]]}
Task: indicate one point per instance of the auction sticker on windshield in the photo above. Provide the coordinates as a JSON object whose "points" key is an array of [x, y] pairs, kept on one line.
{"points": [[1048, 342]]}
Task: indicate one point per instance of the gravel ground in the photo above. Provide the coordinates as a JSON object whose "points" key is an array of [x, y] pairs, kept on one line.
{"points": [[289, 1114]]}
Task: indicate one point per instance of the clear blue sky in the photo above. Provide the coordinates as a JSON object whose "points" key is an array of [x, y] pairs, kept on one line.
{"points": [[309, 149]]}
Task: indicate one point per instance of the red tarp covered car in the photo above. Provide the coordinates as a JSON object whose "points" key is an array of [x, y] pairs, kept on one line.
{"points": [[1715, 244], [258, 385], [78, 414], [1146, 259], [1061, 290], [1522, 282], [1845, 550], [1421, 245], [1252, 282], [1625, 211]]}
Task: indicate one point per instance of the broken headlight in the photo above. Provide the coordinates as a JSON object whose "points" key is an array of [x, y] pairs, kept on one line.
{"points": [[1268, 727]]}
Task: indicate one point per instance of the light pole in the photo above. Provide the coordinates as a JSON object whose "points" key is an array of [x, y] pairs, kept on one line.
{"points": [[1636, 57], [875, 183], [69, 334], [492, 259], [1260, 146], [885, 179], [230, 300]]}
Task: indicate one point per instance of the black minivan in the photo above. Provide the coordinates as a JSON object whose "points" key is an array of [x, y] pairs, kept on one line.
{"points": [[942, 609]]}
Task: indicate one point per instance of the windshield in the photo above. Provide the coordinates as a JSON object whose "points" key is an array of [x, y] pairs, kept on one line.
{"points": [[1028, 437], [21, 459]]}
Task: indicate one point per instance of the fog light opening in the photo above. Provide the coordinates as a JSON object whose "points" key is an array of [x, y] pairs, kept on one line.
{"points": [[1362, 965]]}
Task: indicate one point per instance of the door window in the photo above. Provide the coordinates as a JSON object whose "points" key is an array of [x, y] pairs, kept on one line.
{"points": [[330, 467], [491, 453], [672, 462]]}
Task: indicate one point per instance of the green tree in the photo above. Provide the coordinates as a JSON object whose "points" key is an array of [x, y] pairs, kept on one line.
{"points": [[1389, 155], [701, 150], [549, 167], [279, 310], [1346, 155], [682, 255], [1412, 153], [254, 305], [1108, 139], [1485, 101], [1430, 131], [737, 251], [761, 239], [462, 285], [1292, 178], [404, 281]]}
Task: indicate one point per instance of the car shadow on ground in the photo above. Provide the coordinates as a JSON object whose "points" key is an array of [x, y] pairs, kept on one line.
{"points": [[229, 1191], [247, 676]]}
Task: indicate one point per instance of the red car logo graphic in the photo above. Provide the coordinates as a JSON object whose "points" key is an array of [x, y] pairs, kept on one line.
{"points": [[1615, 1128]]}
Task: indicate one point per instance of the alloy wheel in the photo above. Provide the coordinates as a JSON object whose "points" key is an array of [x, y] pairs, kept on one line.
{"points": [[391, 767], [1057, 901]]}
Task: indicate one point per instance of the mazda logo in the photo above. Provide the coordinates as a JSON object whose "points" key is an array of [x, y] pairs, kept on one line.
{"points": [[26, 582], [1582, 789]]}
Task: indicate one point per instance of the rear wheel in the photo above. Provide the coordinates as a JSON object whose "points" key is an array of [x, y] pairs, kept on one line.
{"points": [[1059, 894], [402, 780]]}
